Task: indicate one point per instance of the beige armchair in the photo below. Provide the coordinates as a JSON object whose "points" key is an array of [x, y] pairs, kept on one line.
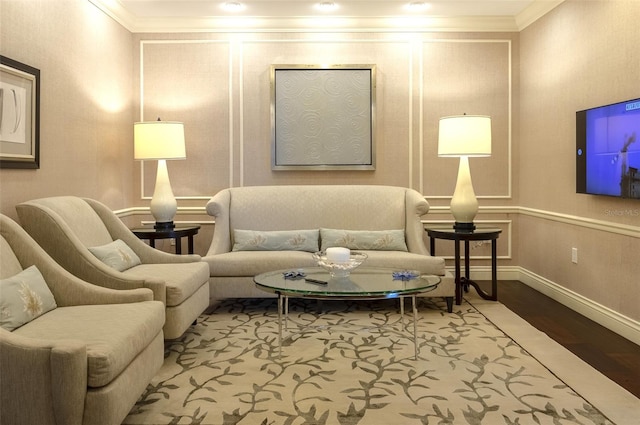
{"points": [[88, 359], [67, 227]]}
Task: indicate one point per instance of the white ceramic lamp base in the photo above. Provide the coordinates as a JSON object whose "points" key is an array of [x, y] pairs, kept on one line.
{"points": [[163, 204], [464, 204]]}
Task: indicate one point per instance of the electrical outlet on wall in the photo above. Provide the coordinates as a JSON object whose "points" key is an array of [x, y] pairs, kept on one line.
{"points": [[574, 255]]}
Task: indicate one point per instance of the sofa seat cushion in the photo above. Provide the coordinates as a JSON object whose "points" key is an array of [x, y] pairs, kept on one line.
{"points": [[114, 334], [182, 279], [251, 263], [397, 260]]}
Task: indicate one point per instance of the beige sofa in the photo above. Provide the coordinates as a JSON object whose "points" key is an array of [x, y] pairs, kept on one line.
{"points": [[68, 226], [281, 208], [86, 360]]}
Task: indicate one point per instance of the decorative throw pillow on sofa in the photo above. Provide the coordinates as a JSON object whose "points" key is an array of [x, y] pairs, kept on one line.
{"points": [[280, 240], [24, 297], [117, 255], [374, 240]]}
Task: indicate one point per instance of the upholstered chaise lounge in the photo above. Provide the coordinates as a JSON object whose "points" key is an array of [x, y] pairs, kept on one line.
{"points": [[73, 229], [71, 353], [317, 210]]}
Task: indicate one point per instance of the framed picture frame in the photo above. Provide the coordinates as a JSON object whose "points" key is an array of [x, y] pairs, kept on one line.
{"points": [[323, 117], [19, 115]]}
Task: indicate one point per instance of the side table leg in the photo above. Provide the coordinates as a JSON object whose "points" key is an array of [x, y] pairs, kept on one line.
{"points": [[494, 270], [457, 272], [467, 268], [190, 244]]}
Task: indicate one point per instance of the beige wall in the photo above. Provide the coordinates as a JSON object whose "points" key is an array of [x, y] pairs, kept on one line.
{"points": [[86, 101], [219, 85], [580, 55], [97, 79]]}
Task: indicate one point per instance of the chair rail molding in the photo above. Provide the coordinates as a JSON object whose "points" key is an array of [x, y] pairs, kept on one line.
{"points": [[591, 223]]}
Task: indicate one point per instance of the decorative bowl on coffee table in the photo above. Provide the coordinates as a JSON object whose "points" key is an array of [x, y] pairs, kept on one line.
{"points": [[342, 269]]}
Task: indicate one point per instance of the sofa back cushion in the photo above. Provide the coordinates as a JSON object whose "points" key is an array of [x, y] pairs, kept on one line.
{"points": [[278, 240], [311, 207], [377, 240]]}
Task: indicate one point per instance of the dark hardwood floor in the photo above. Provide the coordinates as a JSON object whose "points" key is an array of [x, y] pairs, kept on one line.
{"points": [[614, 356]]}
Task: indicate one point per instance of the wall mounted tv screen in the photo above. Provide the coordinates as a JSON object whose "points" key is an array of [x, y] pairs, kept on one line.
{"points": [[608, 150]]}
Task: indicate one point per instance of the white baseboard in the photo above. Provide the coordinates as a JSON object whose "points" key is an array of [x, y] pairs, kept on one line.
{"points": [[610, 319]]}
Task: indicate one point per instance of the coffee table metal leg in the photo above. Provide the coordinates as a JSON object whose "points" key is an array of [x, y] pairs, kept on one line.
{"points": [[279, 325], [283, 309], [286, 313], [415, 326]]}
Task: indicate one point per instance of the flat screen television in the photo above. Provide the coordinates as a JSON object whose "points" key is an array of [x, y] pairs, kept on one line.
{"points": [[608, 150]]}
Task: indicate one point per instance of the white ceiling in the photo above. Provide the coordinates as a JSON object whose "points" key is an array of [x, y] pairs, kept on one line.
{"points": [[362, 15]]}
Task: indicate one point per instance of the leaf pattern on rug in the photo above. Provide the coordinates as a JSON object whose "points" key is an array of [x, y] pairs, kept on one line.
{"points": [[353, 364]]}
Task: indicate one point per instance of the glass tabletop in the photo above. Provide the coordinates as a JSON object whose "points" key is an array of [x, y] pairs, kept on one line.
{"points": [[361, 283]]}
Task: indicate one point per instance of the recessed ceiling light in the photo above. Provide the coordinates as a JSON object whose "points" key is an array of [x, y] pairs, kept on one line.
{"points": [[326, 6], [418, 6], [233, 6]]}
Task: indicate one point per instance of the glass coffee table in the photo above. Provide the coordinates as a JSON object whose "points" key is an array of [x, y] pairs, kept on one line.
{"points": [[362, 284]]}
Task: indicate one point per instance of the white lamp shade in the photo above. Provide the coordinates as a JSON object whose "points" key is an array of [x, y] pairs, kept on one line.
{"points": [[159, 140], [464, 135]]}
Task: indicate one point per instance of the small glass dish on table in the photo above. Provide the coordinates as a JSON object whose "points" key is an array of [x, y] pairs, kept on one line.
{"points": [[339, 268]]}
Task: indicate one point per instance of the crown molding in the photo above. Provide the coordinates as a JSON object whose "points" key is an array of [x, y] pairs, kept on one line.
{"points": [[314, 24], [310, 24], [117, 12], [535, 11]]}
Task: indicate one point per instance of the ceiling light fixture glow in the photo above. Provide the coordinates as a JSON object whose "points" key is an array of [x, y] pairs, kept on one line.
{"points": [[326, 6], [418, 6], [233, 6]]}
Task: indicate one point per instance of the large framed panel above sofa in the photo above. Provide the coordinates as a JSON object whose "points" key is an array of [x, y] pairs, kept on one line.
{"points": [[267, 210]]}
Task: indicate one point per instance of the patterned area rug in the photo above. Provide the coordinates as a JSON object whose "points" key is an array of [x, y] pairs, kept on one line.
{"points": [[351, 365]]}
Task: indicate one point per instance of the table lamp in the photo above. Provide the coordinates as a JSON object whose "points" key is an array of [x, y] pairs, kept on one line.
{"points": [[160, 140], [464, 136]]}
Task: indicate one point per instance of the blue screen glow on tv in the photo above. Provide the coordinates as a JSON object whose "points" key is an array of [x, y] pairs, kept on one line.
{"points": [[613, 150]]}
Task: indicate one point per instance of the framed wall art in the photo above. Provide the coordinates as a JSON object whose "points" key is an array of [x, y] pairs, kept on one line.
{"points": [[19, 115], [323, 117]]}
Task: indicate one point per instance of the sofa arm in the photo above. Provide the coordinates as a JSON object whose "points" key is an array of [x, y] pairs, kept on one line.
{"points": [[43, 382], [416, 207], [218, 207]]}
